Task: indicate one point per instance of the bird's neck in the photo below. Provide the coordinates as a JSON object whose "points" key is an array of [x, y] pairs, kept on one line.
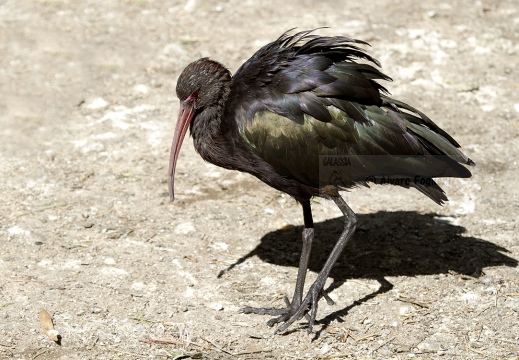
{"points": [[208, 133]]}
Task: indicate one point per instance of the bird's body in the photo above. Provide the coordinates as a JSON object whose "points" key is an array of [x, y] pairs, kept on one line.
{"points": [[307, 118]]}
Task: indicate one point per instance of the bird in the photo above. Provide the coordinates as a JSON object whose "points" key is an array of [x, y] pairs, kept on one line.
{"points": [[307, 115]]}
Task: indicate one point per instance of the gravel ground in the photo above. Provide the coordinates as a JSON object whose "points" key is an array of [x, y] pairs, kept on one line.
{"points": [[87, 109]]}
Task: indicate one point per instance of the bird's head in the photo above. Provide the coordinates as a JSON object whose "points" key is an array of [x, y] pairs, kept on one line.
{"points": [[203, 84]]}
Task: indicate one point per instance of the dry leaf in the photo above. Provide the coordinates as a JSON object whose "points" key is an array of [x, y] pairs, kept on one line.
{"points": [[48, 327]]}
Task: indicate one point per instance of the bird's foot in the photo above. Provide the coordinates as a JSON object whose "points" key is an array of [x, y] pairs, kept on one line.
{"points": [[294, 310]]}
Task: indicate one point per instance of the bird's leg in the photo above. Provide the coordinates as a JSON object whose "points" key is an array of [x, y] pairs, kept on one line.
{"points": [[286, 313], [308, 237], [316, 290]]}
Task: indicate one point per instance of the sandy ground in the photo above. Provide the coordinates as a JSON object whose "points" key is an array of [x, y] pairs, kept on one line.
{"points": [[87, 111]]}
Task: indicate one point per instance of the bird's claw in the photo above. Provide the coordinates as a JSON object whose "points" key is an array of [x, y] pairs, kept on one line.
{"points": [[293, 312], [328, 299], [283, 314]]}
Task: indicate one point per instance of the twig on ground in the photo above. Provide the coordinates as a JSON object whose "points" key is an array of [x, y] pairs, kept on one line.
{"points": [[40, 353], [367, 337], [505, 340], [480, 352], [485, 309], [173, 341], [217, 347], [145, 320], [383, 344], [252, 352], [334, 356], [43, 208], [412, 301]]}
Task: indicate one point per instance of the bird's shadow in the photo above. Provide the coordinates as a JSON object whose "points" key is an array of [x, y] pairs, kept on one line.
{"points": [[402, 243]]}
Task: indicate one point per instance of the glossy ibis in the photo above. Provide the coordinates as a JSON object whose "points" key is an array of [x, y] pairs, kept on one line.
{"points": [[306, 116]]}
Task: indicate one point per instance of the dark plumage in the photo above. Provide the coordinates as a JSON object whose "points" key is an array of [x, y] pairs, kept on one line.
{"points": [[307, 116]]}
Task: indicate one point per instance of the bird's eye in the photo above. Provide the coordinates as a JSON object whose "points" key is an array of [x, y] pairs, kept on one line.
{"points": [[192, 98]]}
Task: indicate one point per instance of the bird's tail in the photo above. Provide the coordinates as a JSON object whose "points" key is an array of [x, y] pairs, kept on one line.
{"points": [[431, 189]]}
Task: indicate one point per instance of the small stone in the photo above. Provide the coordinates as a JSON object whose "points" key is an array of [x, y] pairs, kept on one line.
{"points": [[114, 235], [109, 261], [487, 280], [216, 306], [325, 349], [117, 233], [220, 246], [469, 297], [428, 347], [190, 6], [113, 272], [185, 228], [386, 353], [487, 107], [87, 224], [279, 222], [50, 154], [139, 286], [405, 310], [140, 90], [96, 103]]}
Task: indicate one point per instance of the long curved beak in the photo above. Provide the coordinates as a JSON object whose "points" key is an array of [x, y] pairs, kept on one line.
{"points": [[185, 116]]}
